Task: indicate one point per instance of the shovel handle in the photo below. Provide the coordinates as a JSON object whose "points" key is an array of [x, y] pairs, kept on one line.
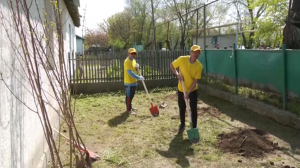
{"points": [[61, 134], [186, 102], [145, 86], [75, 144]]}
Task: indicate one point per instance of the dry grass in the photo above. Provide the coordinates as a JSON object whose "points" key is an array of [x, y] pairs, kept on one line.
{"points": [[143, 141]]}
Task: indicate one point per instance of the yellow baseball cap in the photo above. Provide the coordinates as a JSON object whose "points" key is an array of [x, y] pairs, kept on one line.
{"points": [[196, 48], [131, 50]]}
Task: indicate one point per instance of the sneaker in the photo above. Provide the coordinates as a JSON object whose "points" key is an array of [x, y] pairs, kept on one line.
{"points": [[131, 112], [181, 129], [134, 109]]}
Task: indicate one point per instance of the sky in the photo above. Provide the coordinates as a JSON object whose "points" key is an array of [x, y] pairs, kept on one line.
{"points": [[97, 11]]}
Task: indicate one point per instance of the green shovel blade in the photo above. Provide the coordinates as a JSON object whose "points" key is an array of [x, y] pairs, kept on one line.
{"points": [[193, 135]]}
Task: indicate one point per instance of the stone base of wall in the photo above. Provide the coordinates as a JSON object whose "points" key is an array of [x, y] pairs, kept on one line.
{"points": [[92, 88], [252, 85], [284, 117]]}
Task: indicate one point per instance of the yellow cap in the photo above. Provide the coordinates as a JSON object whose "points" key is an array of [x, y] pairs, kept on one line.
{"points": [[131, 50], [196, 48]]}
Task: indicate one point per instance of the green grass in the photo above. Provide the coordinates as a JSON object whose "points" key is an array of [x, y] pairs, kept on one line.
{"points": [[143, 141], [293, 105]]}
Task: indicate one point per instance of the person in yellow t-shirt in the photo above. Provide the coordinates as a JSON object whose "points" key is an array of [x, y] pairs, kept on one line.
{"points": [[191, 70], [131, 78]]}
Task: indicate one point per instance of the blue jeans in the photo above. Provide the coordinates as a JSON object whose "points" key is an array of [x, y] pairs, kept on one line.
{"points": [[130, 91]]}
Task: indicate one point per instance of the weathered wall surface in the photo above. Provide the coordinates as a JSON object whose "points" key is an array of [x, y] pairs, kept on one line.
{"points": [[22, 142]]}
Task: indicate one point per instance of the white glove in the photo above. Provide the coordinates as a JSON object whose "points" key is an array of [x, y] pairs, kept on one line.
{"points": [[141, 78], [137, 66]]}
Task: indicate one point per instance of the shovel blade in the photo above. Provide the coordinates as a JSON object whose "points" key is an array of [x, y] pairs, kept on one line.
{"points": [[93, 156], [193, 135], [154, 110]]}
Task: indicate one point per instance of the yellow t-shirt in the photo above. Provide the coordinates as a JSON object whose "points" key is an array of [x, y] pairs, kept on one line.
{"points": [[189, 71], [129, 65]]}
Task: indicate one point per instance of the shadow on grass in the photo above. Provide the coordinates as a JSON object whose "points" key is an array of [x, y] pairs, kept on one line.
{"points": [[114, 122], [144, 117], [287, 134], [179, 149]]}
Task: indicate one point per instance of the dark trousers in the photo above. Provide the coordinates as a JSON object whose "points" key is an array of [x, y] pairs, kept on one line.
{"points": [[193, 105], [130, 91]]}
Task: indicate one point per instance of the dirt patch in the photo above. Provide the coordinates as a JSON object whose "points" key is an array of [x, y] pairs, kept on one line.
{"points": [[247, 143], [202, 110], [171, 97], [209, 110]]}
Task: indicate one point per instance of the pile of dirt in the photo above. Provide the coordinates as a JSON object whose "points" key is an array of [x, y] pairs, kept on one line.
{"points": [[247, 143]]}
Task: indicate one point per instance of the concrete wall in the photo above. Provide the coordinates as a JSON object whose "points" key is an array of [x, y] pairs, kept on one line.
{"points": [[91, 88], [223, 40], [284, 117], [22, 143]]}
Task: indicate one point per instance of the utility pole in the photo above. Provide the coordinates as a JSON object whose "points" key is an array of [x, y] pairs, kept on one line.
{"points": [[197, 28], [204, 24], [83, 27], [154, 40]]}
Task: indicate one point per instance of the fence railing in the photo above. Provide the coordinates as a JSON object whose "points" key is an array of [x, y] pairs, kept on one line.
{"points": [[108, 67]]}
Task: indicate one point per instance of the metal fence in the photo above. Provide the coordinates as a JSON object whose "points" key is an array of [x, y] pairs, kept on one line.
{"points": [[108, 67]]}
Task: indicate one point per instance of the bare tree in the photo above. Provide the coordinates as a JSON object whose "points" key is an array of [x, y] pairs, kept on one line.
{"points": [[96, 37], [184, 10]]}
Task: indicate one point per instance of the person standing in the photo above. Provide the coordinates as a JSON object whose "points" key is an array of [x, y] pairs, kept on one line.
{"points": [[130, 78], [190, 72]]}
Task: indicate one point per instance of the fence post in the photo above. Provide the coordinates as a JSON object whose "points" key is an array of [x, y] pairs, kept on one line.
{"points": [[206, 67], [236, 80], [70, 77], [284, 96]]}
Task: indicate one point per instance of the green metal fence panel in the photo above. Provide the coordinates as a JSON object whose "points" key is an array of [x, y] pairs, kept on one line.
{"points": [[293, 71], [261, 66], [202, 60], [220, 62]]}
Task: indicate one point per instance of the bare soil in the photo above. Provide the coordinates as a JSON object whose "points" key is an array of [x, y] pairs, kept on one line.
{"points": [[247, 143]]}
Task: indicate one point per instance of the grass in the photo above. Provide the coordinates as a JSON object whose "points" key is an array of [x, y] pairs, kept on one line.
{"points": [[143, 141], [270, 98]]}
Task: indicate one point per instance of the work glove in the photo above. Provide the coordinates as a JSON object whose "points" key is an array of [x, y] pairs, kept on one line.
{"points": [[141, 78], [137, 65]]}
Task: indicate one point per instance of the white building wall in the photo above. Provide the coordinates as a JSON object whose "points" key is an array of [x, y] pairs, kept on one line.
{"points": [[22, 142]]}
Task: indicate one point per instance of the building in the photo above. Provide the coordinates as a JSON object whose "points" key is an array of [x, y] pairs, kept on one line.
{"points": [[222, 36], [212, 41], [22, 142], [79, 45]]}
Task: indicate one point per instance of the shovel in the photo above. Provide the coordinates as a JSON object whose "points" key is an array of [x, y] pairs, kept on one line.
{"points": [[153, 109], [193, 133], [93, 156]]}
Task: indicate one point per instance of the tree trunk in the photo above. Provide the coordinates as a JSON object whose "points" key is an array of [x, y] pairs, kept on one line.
{"points": [[149, 31], [244, 40], [291, 31], [296, 6], [182, 41]]}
